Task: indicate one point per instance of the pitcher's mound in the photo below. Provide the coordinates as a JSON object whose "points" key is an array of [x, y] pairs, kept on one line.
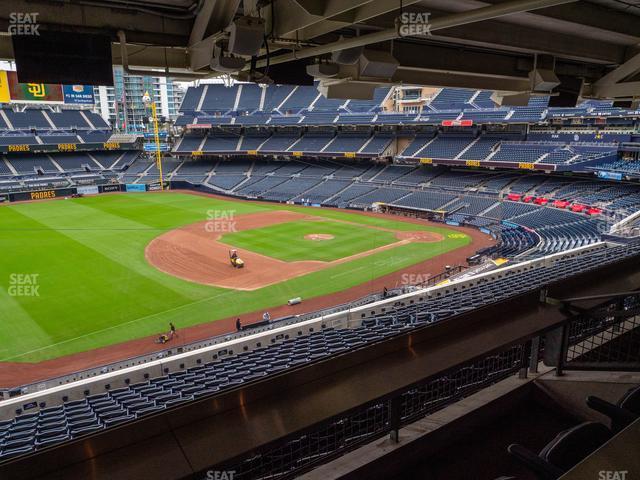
{"points": [[319, 236]]}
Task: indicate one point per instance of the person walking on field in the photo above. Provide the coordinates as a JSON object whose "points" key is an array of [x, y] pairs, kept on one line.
{"points": [[238, 325], [172, 330]]}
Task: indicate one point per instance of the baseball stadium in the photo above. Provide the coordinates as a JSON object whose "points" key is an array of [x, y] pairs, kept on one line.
{"points": [[173, 248], [277, 239]]}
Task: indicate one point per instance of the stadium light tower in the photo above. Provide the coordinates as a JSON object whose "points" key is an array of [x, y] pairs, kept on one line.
{"points": [[146, 99]]}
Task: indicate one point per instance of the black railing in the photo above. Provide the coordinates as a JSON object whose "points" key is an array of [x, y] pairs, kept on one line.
{"points": [[605, 339], [600, 338], [467, 379], [385, 416], [441, 277]]}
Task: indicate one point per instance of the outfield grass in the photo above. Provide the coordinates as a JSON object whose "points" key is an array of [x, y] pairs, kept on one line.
{"points": [[95, 288], [286, 241]]}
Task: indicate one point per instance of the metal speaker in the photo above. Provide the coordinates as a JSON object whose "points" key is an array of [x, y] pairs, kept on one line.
{"points": [[377, 64], [323, 70], [246, 36]]}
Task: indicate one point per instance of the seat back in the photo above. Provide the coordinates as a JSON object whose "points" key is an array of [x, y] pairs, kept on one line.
{"points": [[631, 400], [571, 446]]}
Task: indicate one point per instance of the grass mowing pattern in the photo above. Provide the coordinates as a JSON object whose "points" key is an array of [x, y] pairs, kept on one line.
{"points": [[95, 287], [285, 241]]}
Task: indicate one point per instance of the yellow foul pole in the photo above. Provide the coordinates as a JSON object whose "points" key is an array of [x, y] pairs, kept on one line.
{"points": [[157, 139]]}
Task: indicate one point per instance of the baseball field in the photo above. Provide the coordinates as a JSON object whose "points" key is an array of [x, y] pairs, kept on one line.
{"points": [[78, 274]]}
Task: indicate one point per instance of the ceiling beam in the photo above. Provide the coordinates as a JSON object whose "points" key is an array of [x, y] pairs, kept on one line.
{"points": [[201, 22], [511, 34], [139, 26], [214, 17], [411, 76], [355, 16], [500, 35], [139, 56], [624, 71], [417, 56], [443, 58], [447, 66], [290, 16], [581, 19], [223, 13], [613, 84], [595, 17], [457, 19], [624, 90]]}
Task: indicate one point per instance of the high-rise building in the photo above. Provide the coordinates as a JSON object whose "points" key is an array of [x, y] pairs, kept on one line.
{"points": [[122, 105]]}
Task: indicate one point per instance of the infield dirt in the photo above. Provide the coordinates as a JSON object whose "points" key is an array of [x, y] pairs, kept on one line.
{"points": [[195, 253]]}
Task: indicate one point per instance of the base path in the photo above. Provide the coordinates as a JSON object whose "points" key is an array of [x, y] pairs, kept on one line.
{"points": [[195, 253], [14, 374]]}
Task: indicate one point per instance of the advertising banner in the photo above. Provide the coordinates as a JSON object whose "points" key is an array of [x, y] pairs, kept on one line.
{"points": [[109, 188], [33, 92], [509, 224], [41, 194], [609, 175], [151, 147], [62, 147], [78, 94], [88, 189], [156, 186], [133, 187]]}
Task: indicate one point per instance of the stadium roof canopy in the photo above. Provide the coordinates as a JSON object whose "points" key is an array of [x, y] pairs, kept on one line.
{"points": [[490, 44]]}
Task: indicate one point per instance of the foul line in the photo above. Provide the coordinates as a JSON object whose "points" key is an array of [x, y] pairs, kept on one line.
{"points": [[115, 326]]}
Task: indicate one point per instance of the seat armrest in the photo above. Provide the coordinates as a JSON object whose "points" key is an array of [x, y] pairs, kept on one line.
{"points": [[543, 469], [620, 417]]}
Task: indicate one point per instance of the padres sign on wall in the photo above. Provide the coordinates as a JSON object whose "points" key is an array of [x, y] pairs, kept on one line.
{"points": [[33, 92], [11, 90], [41, 194]]}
